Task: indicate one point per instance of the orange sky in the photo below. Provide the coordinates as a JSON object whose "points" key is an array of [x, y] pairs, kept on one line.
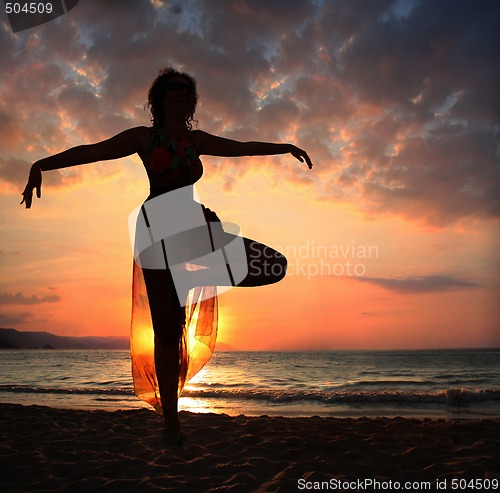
{"points": [[391, 239]]}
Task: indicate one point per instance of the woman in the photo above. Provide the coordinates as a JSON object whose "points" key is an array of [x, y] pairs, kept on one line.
{"points": [[170, 151]]}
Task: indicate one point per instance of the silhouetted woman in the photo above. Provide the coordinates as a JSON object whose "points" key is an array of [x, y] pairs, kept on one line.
{"points": [[182, 322]]}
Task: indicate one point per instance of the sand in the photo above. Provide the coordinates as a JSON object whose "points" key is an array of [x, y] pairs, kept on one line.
{"points": [[44, 449]]}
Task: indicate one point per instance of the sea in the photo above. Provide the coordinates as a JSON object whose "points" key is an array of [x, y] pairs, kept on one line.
{"points": [[462, 384]]}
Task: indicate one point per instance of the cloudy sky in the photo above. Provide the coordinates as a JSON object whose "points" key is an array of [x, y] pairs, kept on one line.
{"points": [[392, 238]]}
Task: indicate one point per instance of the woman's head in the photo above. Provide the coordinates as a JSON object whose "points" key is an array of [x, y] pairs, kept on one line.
{"points": [[170, 80]]}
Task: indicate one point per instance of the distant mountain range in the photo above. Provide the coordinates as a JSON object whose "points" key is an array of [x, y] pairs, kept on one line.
{"points": [[14, 339]]}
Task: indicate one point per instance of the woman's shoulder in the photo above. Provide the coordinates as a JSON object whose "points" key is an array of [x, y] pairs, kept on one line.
{"points": [[140, 130], [141, 133], [141, 136], [197, 137]]}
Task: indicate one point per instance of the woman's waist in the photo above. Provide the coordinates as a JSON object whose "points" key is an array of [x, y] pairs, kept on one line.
{"points": [[177, 200], [157, 190]]}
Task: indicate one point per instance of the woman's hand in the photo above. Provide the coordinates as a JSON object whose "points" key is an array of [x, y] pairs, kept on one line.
{"points": [[34, 181], [301, 155]]}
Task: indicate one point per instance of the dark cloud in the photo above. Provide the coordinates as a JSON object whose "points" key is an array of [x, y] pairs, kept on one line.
{"points": [[420, 284], [15, 172], [452, 168], [21, 299], [13, 319], [434, 72], [396, 101], [11, 134]]}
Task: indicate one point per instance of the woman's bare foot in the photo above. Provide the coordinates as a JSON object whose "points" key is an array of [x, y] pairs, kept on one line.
{"points": [[172, 435], [173, 440]]}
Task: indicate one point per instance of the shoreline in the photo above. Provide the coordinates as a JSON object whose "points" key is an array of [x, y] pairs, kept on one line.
{"points": [[371, 411], [55, 449]]}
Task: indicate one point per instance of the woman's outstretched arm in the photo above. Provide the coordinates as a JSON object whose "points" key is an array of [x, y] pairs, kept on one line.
{"points": [[212, 145], [123, 144]]}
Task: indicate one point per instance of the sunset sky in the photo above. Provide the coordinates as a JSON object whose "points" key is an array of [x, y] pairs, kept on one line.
{"points": [[392, 239]]}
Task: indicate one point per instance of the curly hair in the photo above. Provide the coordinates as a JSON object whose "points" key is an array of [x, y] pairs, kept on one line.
{"points": [[157, 92]]}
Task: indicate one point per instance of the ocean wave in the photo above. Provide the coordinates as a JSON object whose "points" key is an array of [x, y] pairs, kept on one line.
{"points": [[24, 389], [449, 396]]}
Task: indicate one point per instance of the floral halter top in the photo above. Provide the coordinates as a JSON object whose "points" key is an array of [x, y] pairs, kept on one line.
{"points": [[173, 163]]}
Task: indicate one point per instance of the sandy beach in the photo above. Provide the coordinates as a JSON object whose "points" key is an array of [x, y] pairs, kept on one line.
{"points": [[45, 449]]}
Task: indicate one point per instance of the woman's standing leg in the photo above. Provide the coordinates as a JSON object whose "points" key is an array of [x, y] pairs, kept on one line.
{"points": [[168, 319]]}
